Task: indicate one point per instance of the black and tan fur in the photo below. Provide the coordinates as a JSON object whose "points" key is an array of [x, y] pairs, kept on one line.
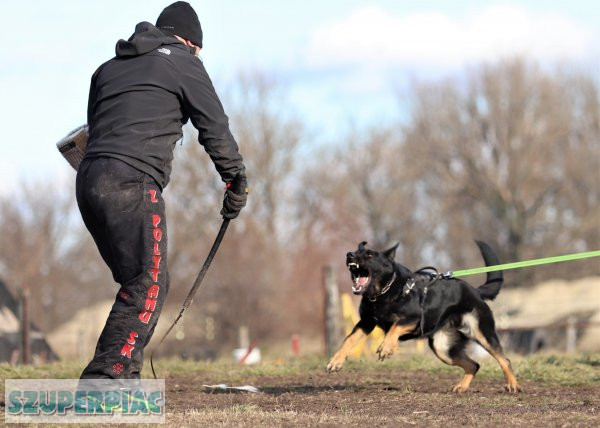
{"points": [[448, 312]]}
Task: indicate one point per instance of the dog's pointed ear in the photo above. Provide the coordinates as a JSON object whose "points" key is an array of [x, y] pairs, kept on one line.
{"points": [[391, 252], [362, 245]]}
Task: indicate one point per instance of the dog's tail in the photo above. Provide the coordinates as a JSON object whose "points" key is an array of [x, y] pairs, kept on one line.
{"points": [[494, 280]]}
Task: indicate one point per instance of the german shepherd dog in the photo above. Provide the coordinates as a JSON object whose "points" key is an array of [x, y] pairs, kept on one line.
{"points": [[408, 305]]}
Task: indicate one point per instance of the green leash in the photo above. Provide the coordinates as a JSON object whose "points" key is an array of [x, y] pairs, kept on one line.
{"points": [[526, 263]]}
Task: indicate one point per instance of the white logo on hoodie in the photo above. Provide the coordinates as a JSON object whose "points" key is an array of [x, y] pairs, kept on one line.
{"points": [[165, 51]]}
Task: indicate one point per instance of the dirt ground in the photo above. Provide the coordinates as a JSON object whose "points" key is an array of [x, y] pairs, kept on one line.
{"points": [[358, 398], [409, 390]]}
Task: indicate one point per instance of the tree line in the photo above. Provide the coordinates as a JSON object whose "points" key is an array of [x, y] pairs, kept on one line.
{"points": [[508, 153]]}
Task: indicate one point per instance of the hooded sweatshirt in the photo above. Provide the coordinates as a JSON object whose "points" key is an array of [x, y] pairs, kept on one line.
{"points": [[140, 99]]}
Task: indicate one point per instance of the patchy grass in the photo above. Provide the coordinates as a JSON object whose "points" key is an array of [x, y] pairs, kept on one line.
{"points": [[560, 369], [552, 369]]}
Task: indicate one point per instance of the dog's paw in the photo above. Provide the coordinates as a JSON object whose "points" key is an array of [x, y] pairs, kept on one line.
{"points": [[336, 363], [513, 388], [385, 350], [459, 388]]}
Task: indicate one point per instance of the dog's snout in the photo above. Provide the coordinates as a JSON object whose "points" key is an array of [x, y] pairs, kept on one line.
{"points": [[350, 257]]}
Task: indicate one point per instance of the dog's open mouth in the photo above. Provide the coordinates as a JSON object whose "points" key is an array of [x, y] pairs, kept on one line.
{"points": [[360, 278]]}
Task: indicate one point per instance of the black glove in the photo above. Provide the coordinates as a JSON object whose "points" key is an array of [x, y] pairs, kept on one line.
{"points": [[235, 197]]}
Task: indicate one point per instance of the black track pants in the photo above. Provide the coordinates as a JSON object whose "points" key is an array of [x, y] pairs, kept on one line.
{"points": [[124, 211]]}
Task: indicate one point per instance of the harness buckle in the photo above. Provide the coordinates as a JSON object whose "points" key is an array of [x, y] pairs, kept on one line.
{"points": [[409, 285]]}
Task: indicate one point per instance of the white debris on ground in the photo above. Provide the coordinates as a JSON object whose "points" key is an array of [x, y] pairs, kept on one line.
{"points": [[221, 387]]}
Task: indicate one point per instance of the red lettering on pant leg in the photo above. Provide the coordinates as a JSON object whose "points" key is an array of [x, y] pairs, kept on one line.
{"points": [[126, 350], [132, 336], [129, 346], [145, 316], [153, 291], [154, 274], [150, 304], [153, 196]]}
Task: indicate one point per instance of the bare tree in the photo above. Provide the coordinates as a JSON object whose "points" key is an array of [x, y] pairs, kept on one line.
{"points": [[47, 250], [509, 154], [365, 190], [500, 153], [247, 283]]}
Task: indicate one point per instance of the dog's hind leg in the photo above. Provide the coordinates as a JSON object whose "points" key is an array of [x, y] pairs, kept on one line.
{"points": [[449, 346], [480, 326]]}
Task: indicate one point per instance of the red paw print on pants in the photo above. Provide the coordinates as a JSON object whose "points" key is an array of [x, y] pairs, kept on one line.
{"points": [[118, 368]]}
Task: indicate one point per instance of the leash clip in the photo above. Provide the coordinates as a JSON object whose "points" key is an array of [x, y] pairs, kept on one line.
{"points": [[448, 275]]}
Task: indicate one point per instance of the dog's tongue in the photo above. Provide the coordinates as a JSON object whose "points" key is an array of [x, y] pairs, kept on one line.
{"points": [[362, 280]]}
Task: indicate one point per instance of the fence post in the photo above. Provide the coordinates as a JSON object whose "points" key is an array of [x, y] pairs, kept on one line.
{"points": [[25, 333], [333, 325], [571, 338], [244, 337]]}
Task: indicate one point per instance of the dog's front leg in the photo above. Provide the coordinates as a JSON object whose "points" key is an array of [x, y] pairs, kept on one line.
{"points": [[390, 341], [337, 361]]}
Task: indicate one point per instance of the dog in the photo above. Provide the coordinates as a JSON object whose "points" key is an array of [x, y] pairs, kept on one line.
{"points": [[409, 305]]}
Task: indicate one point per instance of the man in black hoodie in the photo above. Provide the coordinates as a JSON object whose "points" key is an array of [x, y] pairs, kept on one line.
{"points": [[138, 102]]}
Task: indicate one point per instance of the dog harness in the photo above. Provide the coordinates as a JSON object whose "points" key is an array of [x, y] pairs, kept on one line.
{"points": [[410, 283]]}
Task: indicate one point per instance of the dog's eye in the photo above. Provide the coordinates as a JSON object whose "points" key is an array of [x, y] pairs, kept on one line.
{"points": [[369, 253]]}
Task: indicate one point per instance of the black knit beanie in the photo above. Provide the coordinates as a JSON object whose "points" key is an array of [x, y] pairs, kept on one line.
{"points": [[180, 19]]}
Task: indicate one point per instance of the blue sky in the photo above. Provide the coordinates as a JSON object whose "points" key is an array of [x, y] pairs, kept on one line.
{"points": [[342, 61]]}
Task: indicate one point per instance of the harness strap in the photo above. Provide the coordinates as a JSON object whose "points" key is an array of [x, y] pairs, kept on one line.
{"points": [[430, 271], [411, 282]]}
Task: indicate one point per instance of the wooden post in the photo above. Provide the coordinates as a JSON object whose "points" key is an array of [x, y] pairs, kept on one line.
{"points": [[244, 337], [25, 333], [333, 325], [571, 338]]}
